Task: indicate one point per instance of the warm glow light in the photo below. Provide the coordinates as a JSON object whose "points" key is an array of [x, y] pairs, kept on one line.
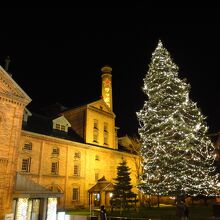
{"points": [[61, 216], [52, 208], [177, 154], [22, 206]]}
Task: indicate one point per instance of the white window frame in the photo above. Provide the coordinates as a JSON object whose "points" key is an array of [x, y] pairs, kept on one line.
{"points": [[76, 170], [55, 168], [26, 165], [75, 194]]}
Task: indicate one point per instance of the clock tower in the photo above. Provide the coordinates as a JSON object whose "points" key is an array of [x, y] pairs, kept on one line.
{"points": [[107, 86]]}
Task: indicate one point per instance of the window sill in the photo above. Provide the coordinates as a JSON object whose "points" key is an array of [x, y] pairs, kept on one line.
{"points": [[26, 172]]}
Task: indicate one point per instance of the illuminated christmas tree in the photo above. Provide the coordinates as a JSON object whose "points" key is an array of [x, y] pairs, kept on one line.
{"points": [[178, 156]]}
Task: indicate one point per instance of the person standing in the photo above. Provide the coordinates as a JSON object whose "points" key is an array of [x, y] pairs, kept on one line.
{"points": [[186, 212], [182, 211], [103, 215]]}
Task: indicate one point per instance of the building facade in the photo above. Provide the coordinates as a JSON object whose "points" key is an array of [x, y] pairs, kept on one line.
{"points": [[58, 160]]}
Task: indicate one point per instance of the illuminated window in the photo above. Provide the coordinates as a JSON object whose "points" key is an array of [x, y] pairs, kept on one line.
{"points": [[95, 125], [55, 168], [75, 196], [55, 151], [62, 128], [26, 164], [51, 209], [96, 197], [21, 208], [58, 126], [27, 146]]}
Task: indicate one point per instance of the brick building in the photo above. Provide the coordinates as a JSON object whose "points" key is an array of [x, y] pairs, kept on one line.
{"points": [[55, 161]]}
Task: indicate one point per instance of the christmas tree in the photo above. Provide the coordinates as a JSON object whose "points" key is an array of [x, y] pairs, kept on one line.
{"points": [[178, 156], [123, 197]]}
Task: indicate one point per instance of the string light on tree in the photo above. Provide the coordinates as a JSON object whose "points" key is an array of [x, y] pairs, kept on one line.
{"points": [[178, 157]]}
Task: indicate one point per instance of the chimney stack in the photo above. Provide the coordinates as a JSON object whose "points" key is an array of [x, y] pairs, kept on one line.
{"points": [[7, 61], [107, 85]]}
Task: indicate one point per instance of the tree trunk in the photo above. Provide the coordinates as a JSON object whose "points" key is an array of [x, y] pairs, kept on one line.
{"points": [[158, 201]]}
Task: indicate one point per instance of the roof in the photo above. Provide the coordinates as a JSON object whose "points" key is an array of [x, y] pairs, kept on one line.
{"points": [[44, 125], [25, 187], [102, 185], [81, 105], [12, 89]]}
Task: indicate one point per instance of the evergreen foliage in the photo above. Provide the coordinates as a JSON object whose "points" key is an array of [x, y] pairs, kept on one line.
{"points": [[178, 156], [123, 197]]}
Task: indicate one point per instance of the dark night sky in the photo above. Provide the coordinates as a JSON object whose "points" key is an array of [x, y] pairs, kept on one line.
{"points": [[56, 55]]}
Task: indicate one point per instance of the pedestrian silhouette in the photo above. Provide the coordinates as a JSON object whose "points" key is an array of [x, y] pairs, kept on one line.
{"points": [[103, 213], [182, 211]]}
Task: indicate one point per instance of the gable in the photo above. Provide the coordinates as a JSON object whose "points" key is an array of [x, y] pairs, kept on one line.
{"points": [[10, 89], [101, 105], [28, 188], [61, 121]]}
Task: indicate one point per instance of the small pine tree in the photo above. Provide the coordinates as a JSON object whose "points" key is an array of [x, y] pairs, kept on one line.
{"points": [[123, 197], [177, 153]]}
